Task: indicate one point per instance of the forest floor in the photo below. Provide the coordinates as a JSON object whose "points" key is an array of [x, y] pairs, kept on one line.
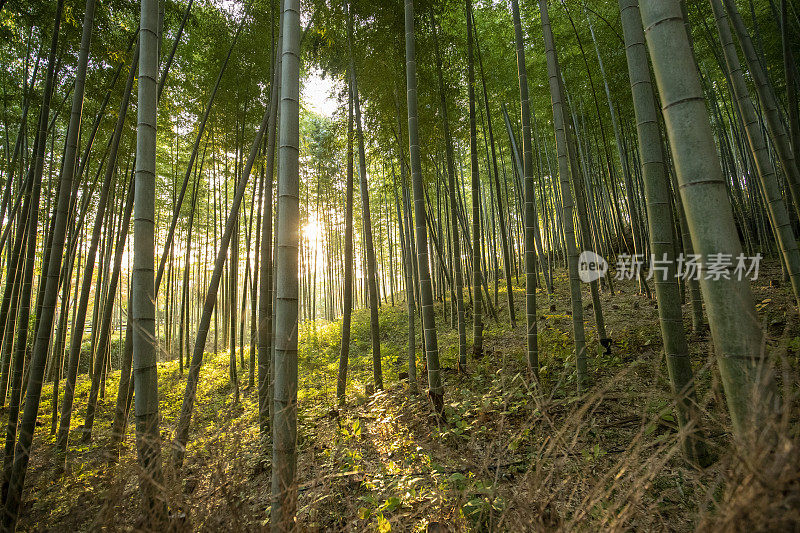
{"points": [[510, 456]]}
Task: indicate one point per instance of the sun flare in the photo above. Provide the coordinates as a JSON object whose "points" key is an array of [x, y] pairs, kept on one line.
{"points": [[311, 230]]}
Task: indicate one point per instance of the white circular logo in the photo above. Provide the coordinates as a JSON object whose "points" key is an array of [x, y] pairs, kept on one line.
{"points": [[591, 267]]}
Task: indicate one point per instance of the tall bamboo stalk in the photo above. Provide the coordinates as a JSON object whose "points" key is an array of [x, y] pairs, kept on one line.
{"points": [[435, 388], [559, 123], [661, 223], [284, 427], [734, 323], [143, 312]]}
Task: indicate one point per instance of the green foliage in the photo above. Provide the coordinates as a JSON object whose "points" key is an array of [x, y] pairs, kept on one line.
{"points": [[115, 347], [320, 344]]}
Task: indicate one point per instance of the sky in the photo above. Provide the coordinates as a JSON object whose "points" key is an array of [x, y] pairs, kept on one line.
{"points": [[317, 93]]}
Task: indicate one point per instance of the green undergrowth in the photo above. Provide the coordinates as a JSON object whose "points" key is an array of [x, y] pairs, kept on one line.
{"points": [[512, 453]]}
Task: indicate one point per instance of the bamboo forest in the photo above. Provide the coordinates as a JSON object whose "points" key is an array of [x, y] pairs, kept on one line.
{"points": [[400, 265]]}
